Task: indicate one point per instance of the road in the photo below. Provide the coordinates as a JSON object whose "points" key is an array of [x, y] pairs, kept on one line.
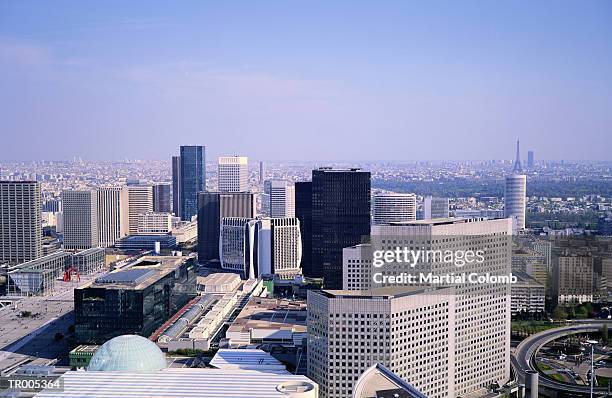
{"points": [[522, 360]]}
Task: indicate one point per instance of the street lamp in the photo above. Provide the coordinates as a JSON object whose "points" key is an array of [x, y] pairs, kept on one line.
{"points": [[592, 343]]}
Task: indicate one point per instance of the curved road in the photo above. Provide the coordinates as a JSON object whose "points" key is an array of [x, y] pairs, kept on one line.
{"points": [[522, 359]]}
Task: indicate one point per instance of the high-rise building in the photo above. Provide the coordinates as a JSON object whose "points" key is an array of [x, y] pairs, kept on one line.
{"points": [[303, 212], [281, 197], [481, 349], [341, 205], [80, 219], [408, 331], [212, 208], [233, 174], [394, 207], [530, 160], [435, 208], [112, 208], [161, 198], [153, 223], [262, 171], [20, 221], [176, 185], [192, 179], [140, 201], [572, 278], [515, 194]]}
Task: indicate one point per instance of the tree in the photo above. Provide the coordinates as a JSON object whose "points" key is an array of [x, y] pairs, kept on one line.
{"points": [[559, 314]]}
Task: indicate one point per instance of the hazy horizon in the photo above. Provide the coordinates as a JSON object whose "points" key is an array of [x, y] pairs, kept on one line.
{"points": [[328, 81]]}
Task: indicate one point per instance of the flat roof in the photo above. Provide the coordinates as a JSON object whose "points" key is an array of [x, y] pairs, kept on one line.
{"points": [[181, 382], [253, 359], [219, 278], [270, 313], [387, 292], [139, 274]]}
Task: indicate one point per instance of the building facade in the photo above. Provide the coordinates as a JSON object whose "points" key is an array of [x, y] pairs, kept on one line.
{"points": [[281, 198], [233, 174], [394, 207], [81, 227], [161, 198], [192, 179], [140, 201], [515, 194], [435, 208]]}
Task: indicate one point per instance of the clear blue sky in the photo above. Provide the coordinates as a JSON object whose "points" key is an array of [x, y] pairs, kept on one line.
{"points": [[324, 80]]}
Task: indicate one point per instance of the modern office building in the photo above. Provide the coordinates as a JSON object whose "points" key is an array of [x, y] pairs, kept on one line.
{"points": [[89, 261], [161, 198], [530, 160], [262, 171], [572, 277], [408, 330], [191, 179], [81, 229], [527, 295], [281, 197], [515, 194], [212, 208], [357, 267], [140, 201], [394, 207], [233, 174], [435, 208], [20, 221], [482, 348], [176, 185], [233, 243], [52, 205], [153, 223], [37, 277], [113, 221], [303, 212], [341, 205], [136, 299]]}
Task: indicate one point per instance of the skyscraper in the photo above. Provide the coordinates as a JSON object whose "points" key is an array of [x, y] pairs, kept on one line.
{"points": [[161, 198], [340, 218], [515, 194], [176, 185], [262, 171], [233, 174], [435, 208], [113, 222], [281, 197], [140, 201], [394, 207], [212, 208], [192, 179], [303, 212], [530, 160], [80, 219], [20, 221]]}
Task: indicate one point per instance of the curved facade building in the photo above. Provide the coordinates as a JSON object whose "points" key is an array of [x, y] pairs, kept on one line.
{"points": [[394, 207], [515, 195], [128, 353]]}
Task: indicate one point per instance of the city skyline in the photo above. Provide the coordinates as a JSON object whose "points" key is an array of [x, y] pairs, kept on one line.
{"points": [[236, 78]]}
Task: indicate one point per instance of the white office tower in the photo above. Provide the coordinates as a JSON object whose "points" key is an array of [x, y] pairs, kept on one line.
{"points": [[152, 223], [435, 208], [357, 267], [515, 195], [482, 317], [281, 196], [112, 215], [140, 201], [274, 247], [408, 330], [80, 219], [263, 246], [394, 207], [20, 221], [232, 243], [233, 174]]}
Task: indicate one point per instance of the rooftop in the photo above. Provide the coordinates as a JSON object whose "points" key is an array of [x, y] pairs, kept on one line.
{"points": [[246, 359], [384, 292], [269, 313]]}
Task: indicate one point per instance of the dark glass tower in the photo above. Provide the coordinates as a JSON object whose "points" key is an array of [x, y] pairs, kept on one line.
{"points": [[340, 218], [192, 179], [176, 185], [303, 212], [161, 198]]}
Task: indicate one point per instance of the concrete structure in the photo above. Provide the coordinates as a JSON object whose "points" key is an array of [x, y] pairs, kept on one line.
{"points": [[152, 223], [37, 277], [407, 330], [435, 208], [269, 321], [20, 221], [140, 201], [527, 295], [89, 261], [394, 207], [357, 267], [233, 174], [262, 171], [572, 278], [281, 198], [532, 263], [247, 359], [530, 160], [185, 232], [515, 194], [218, 283], [112, 215], [80, 219], [379, 381]]}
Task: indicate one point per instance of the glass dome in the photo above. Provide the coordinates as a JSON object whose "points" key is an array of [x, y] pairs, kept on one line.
{"points": [[129, 353]]}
